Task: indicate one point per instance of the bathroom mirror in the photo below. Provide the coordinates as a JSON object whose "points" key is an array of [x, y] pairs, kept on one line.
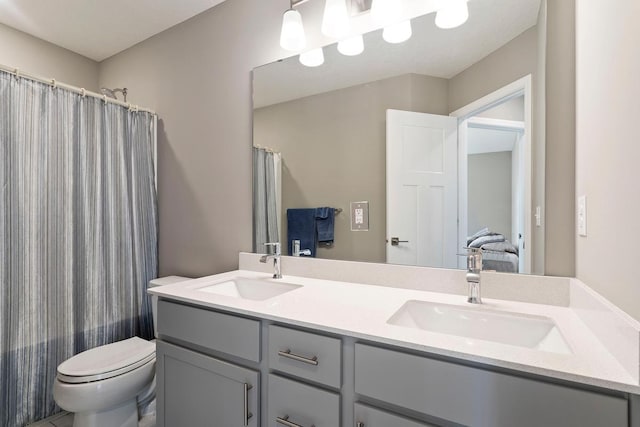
{"points": [[439, 134]]}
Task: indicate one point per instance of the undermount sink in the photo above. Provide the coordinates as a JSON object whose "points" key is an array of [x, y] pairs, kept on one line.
{"points": [[523, 330], [252, 289]]}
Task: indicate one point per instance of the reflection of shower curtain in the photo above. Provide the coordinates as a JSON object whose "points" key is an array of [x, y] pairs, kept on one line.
{"points": [[266, 197], [77, 235]]}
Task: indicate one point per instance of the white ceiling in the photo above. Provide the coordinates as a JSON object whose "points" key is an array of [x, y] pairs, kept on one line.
{"points": [[481, 141], [430, 51], [98, 29]]}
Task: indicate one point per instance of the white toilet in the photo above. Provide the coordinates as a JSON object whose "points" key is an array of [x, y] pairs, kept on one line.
{"points": [[102, 386]]}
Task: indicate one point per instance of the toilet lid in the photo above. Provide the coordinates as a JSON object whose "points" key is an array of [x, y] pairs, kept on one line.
{"points": [[107, 361]]}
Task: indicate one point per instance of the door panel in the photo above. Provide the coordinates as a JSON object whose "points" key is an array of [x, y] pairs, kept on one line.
{"points": [[421, 189]]}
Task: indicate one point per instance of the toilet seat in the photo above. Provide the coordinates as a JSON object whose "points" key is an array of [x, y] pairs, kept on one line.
{"points": [[107, 361]]}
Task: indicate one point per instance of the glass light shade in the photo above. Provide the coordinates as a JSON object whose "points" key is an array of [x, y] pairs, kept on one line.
{"points": [[453, 15], [292, 36], [335, 22], [352, 46], [385, 12], [397, 33], [312, 58]]}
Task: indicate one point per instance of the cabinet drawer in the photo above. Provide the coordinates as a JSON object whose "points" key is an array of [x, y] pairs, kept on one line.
{"points": [[476, 397], [305, 355], [221, 332], [293, 404], [366, 416]]}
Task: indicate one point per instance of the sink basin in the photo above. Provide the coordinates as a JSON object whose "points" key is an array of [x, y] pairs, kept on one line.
{"points": [[523, 330], [252, 289]]}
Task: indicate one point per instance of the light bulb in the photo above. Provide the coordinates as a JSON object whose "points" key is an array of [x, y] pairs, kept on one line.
{"points": [[292, 36], [352, 46], [453, 15], [312, 58], [397, 33], [385, 12], [335, 22]]}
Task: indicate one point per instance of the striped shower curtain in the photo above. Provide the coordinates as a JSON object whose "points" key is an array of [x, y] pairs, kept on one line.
{"points": [[266, 198], [78, 237]]}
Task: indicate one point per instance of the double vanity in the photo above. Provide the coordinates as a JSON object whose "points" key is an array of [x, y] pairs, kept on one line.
{"points": [[244, 349]]}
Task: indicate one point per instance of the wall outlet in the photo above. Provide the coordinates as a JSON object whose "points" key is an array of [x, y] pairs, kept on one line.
{"points": [[582, 216], [359, 216]]}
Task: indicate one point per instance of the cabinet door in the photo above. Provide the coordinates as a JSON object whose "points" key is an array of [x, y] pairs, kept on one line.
{"points": [[367, 416], [197, 390]]}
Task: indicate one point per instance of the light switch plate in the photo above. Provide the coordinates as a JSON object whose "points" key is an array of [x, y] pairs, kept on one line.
{"points": [[582, 216], [359, 216]]}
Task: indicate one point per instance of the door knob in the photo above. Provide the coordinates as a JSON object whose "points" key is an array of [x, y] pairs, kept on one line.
{"points": [[395, 241]]}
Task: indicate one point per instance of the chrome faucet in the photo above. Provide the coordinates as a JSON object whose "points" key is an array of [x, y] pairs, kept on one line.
{"points": [[277, 274], [297, 251], [474, 267]]}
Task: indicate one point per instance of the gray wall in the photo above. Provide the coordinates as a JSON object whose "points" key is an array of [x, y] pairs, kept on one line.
{"points": [[489, 189], [197, 77], [513, 110], [560, 136], [333, 152], [35, 56], [607, 149], [512, 61]]}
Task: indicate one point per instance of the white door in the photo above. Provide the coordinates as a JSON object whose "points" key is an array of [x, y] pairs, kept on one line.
{"points": [[421, 189]]}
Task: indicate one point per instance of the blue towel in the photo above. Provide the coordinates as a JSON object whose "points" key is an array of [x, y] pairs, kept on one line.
{"points": [[325, 218], [301, 225]]}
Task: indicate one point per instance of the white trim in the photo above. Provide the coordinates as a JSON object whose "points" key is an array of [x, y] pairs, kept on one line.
{"points": [[512, 90], [155, 150], [520, 87], [498, 124]]}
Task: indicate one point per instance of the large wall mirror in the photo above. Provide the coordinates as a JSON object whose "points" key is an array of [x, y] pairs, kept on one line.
{"points": [[439, 135]]}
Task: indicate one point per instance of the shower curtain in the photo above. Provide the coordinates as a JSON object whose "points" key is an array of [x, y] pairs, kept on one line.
{"points": [[78, 237], [266, 198]]}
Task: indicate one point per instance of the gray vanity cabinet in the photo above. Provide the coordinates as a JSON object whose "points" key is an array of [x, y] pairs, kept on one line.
{"points": [[477, 397], [198, 390], [223, 370]]}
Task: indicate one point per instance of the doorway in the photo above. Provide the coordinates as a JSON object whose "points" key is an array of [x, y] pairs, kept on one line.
{"points": [[495, 176]]}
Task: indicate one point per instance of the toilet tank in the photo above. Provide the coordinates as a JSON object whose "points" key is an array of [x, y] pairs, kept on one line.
{"points": [[161, 281]]}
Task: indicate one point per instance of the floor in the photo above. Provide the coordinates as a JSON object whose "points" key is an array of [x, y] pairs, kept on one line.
{"points": [[65, 419]]}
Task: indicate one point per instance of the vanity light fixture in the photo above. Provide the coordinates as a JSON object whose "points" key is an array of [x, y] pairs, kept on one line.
{"points": [[390, 14], [335, 21], [386, 11], [351, 46], [292, 35], [397, 33], [312, 58], [454, 14]]}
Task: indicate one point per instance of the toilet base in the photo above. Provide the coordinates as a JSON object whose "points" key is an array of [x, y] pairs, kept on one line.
{"points": [[125, 415]]}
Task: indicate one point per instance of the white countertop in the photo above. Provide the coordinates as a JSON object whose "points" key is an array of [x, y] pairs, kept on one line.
{"points": [[362, 311]]}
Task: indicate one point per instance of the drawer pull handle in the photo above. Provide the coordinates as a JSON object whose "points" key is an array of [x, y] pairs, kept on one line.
{"points": [[246, 414], [287, 353], [285, 422], [359, 424]]}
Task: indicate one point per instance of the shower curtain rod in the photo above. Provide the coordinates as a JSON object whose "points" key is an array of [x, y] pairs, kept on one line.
{"points": [[267, 149], [80, 90]]}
